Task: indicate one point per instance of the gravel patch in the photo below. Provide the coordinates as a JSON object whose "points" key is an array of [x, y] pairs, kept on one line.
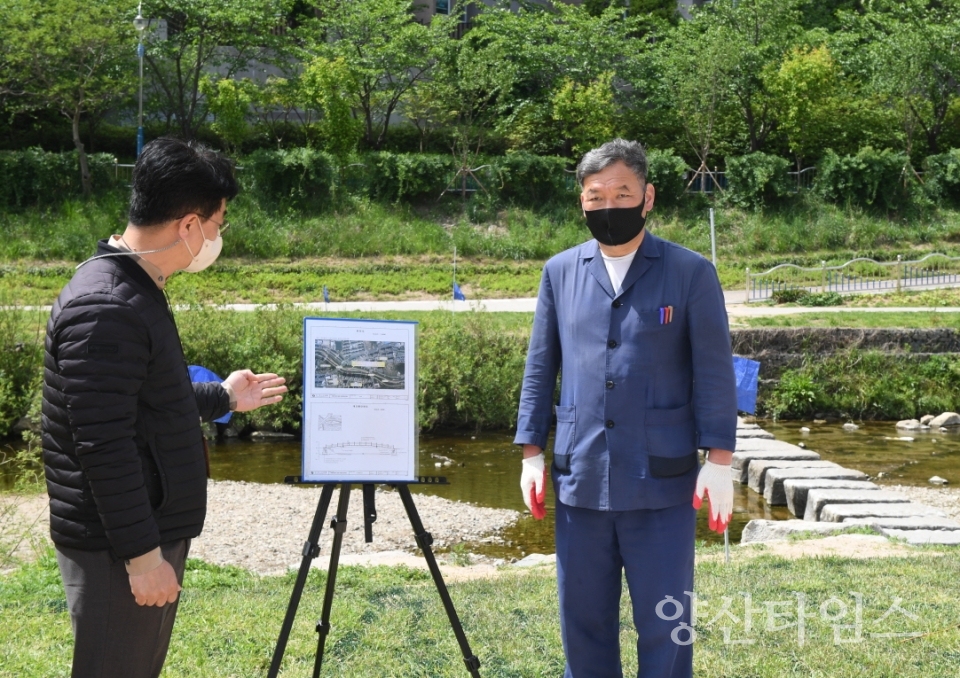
{"points": [[947, 499], [263, 527]]}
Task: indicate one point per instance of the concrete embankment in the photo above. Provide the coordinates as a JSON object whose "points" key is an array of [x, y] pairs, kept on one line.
{"points": [[827, 498]]}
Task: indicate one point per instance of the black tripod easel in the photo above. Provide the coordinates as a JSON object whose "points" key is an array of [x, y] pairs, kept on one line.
{"points": [[311, 549]]}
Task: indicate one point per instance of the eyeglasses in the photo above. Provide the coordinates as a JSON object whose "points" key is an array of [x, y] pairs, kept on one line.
{"points": [[221, 228]]}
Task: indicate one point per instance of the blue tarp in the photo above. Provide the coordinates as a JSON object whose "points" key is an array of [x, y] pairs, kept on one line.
{"points": [[747, 372], [200, 374]]}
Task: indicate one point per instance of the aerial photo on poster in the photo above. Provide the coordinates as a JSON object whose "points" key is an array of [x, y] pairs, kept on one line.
{"points": [[359, 364]]}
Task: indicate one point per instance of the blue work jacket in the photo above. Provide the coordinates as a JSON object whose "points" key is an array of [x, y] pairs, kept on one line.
{"points": [[646, 376]]}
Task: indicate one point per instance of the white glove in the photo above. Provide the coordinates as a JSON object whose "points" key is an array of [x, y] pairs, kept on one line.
{"points": [[716, 482], [533, 480]]}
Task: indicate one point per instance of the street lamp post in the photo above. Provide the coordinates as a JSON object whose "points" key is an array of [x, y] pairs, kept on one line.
{"points": [[140, 24]]}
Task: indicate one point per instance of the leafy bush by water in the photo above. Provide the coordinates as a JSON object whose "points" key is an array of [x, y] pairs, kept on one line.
{"points": [[471, 364], [867, 385]]}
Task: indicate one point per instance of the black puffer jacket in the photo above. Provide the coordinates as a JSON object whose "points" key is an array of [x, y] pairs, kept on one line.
{"points": [[122, 444]]}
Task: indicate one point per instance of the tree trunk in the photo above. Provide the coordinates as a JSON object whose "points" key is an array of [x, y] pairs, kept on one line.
{"points": [[82, 155]]}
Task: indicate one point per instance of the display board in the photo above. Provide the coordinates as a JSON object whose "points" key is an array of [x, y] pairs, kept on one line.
{"points": [[359, 400]]}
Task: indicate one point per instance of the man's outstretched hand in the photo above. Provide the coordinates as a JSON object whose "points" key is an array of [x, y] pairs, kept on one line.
{"points": [[256, 390], [716, 483]]}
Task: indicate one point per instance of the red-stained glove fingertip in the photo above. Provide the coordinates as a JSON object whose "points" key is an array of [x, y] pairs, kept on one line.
{"points": [[537, 507], [541, 497], [697, 502]]}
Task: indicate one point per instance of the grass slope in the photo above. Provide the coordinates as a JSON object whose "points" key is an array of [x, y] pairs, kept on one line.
{"points": [[365, 250], [389, 622]]}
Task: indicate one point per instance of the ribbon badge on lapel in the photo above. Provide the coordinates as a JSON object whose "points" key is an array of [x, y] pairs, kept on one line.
{"points": [[666, 315]]}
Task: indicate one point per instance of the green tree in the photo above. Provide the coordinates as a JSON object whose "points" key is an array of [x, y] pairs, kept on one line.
{"points": [[229, 101], [279, 106], [914, 61], [209, 39], [329, 86], [689, 61], [538, 50], [71, 56], [753, 35], [386, 49], [808, 88], [585, 114]]}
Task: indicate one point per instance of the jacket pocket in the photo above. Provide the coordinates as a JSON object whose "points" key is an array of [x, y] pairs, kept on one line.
{"points": [[153, 474], [671, 441], [654, 321], [566, 436]]}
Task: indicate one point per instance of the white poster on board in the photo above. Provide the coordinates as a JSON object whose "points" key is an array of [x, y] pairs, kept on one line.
{"points": [[359, 400]]}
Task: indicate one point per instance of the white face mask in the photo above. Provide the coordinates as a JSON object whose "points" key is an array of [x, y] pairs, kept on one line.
{"points": [[208, 253]]}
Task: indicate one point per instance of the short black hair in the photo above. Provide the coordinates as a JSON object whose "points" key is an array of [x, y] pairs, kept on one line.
{"points": [[173, 178]]}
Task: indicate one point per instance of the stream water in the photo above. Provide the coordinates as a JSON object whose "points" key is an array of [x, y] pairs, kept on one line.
{"points": [[486, 471]]}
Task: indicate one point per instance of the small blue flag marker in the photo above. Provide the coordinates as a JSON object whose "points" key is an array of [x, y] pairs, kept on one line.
{"points": [[458, 293], [747, 372], [326, 294]]}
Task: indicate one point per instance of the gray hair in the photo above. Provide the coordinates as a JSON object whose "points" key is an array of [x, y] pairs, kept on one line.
{"points": [[630, 153]]}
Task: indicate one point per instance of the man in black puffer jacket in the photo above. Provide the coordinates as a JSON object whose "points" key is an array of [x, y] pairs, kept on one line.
{"points": [[122, 443]]}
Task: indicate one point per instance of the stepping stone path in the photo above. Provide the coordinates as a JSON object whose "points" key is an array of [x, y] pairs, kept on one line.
{"points": [[828, 497], [796, 490]]}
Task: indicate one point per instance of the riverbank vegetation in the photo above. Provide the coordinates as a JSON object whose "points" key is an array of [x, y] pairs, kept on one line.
{"points": [[858, 385], [389, 621], [366, 249], [854, 318], [471, 365]]}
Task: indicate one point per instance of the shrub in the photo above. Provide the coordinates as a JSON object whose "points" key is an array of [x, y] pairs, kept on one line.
{"points": [[35, 176], [302, 178], [758, 179], [471, 368], [665, 171], [532, 180], [868, 385], [942, 176], [21, 350], [822, 299], [407, 176], [807, 298], [788, 296], [869, 178]]}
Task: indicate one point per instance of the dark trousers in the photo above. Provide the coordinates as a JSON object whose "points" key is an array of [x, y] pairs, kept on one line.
{"points": [[655, 548], [113, 636]]}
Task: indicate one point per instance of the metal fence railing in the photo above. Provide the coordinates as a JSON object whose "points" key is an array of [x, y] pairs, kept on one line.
{"points": [[122, 172], [703, 181], [857, 275]]}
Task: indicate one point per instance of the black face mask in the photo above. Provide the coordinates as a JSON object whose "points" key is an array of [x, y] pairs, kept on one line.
{"points": [[616, 225]]}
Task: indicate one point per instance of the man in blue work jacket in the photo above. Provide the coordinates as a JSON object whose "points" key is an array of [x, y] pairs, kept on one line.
{"points": [[637, 329]]}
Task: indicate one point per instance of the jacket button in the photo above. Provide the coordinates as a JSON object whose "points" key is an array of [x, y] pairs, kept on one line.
{"points": [[617, 304], [612, 343], [609, 384], [609, 423]]}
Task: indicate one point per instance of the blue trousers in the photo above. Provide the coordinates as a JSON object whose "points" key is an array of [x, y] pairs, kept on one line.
{"points": [[655, 548]]}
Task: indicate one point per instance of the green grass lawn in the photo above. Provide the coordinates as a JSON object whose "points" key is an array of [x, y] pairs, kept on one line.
{"points": [[389, 621], [852, 318]]}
